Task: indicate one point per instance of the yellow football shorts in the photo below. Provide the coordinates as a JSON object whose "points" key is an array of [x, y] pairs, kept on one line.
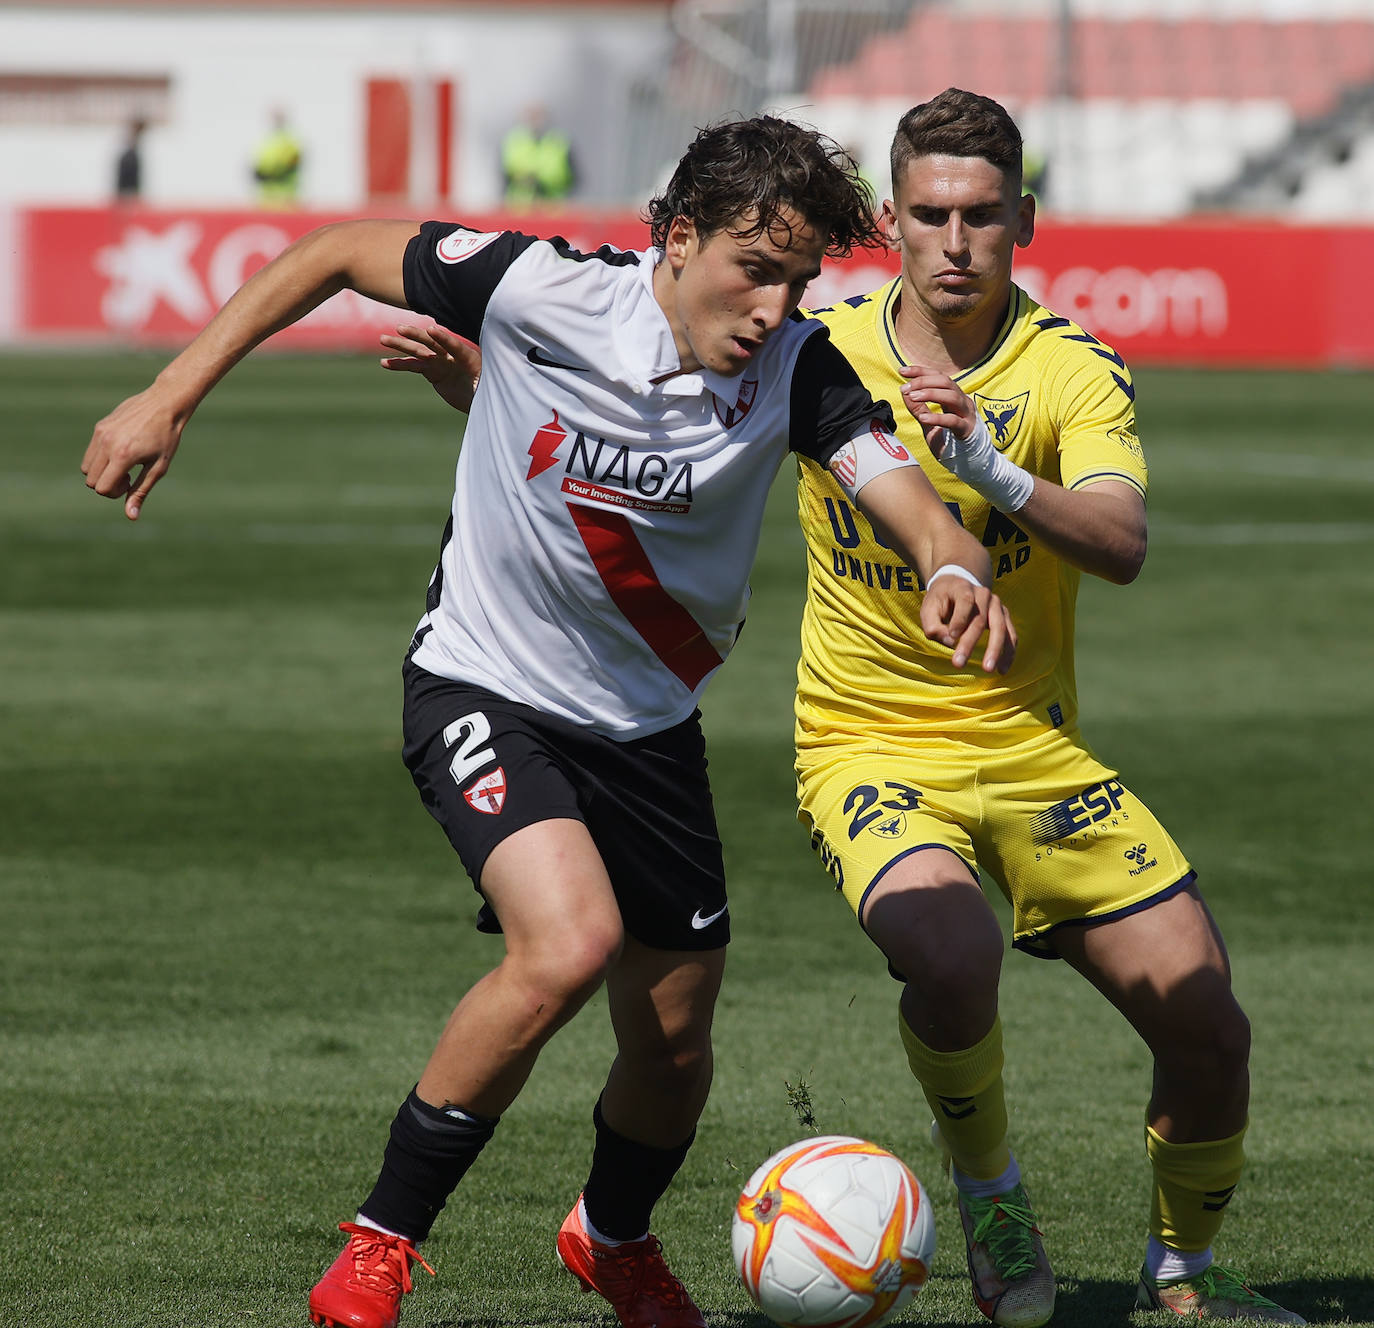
{"points": [[1063, 838]]}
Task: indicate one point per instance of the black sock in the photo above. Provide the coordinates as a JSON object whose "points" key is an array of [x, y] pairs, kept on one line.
{"points": [[428, 1153], [627, 1180]]}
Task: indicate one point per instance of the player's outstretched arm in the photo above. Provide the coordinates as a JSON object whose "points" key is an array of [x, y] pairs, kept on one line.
{"points": [[1099, 529], [450, 363], [958, 608], [133, 446]]}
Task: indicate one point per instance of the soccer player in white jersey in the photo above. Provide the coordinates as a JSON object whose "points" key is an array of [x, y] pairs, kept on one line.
{"points": [[915, 771], [608, 503]]}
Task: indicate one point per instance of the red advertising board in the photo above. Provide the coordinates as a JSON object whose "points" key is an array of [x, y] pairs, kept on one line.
{"points": [[1208, 292], [153, 278]]}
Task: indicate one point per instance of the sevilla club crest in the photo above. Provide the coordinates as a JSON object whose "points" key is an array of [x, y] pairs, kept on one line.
{"points": [[488, 794], [732, 415]]}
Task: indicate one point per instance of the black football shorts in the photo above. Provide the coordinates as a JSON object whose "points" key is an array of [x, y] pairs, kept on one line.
{"points": [[487, 767]]}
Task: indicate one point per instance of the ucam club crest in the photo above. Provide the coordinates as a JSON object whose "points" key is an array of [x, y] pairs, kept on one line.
{"points": [[488, 794], [1003, 418]]}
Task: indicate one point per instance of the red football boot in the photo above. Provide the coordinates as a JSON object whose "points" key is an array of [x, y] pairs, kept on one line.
{"points": [[632, 1276], [364, 1285]]}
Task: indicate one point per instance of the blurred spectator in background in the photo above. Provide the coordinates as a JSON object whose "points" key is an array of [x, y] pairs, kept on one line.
{"points": [[536, 161], [129, 164], [1035, 173], [856, 151], [277, 164]]}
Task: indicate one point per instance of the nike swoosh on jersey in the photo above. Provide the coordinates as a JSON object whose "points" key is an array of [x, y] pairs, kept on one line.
{"points": [[536, 356], [698, 922]]}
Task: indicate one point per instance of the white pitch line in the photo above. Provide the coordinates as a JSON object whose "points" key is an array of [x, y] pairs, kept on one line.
{"points": [[344, 534], [1263, 532], [427, 535], [1314, 467], [1269, 465]]}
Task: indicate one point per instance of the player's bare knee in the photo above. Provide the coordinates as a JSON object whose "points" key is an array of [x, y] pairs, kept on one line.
{"points": [[681, 1070], [945, 958], [568, 973], [685, 1061], [1230, 1038], [1212, 1043], [585, 960], [955, 974]]}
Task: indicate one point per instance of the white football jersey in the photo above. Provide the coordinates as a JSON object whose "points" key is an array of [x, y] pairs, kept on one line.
{"points": [[606, 508]]}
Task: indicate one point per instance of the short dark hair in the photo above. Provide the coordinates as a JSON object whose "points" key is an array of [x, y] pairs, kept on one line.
{"points": [[958, 124], [742, 174]]}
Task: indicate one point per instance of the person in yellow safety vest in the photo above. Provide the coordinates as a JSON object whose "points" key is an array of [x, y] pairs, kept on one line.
{"points": [[277, 165], [1035, 174], [536, 161]]}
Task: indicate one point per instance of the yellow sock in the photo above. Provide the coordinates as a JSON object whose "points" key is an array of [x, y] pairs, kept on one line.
{"points": [[1193, 1183], [964, 1089]]}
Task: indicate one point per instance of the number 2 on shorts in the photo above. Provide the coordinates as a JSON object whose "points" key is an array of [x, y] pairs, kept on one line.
{"points": [[466, 735]]}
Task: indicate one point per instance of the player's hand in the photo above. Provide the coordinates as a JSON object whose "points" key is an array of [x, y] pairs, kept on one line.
{"points": [[450, 363], [139, 435], [958, 436], [957, 613], [946, 413]]}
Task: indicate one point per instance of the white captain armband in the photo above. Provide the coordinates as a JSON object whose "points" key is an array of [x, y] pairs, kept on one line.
{"points": [[866, 456]]}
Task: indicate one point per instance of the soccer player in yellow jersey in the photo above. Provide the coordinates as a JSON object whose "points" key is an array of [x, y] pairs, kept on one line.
{"points": [[915, 773]]}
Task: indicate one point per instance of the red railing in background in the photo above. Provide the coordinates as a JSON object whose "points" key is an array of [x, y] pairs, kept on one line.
{"points": [[1217, 292]]}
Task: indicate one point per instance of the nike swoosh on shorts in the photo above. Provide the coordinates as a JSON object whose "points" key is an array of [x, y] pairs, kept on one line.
{"points": [[698, 922]]}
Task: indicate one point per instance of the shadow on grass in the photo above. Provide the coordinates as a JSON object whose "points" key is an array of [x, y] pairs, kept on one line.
{"points": [[1347, 1300], [1082, 1303], [723, 1319], [1092, 1303]]}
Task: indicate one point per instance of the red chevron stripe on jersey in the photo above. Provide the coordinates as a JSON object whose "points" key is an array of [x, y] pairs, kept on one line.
{"points": [[667, 628]]}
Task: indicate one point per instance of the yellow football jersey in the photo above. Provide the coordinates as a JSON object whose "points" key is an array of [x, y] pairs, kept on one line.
{"points": [[1061, 405]]}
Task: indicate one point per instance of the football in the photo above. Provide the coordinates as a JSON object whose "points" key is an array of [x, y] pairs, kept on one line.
{"points": [[833, 1231]]}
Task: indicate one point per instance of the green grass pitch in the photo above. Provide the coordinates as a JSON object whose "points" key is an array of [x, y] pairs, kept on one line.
{"points": [[230, 933]]}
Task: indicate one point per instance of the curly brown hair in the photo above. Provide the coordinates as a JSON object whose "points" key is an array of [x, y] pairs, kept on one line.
{"points": [[958, 124], [742, 176]]}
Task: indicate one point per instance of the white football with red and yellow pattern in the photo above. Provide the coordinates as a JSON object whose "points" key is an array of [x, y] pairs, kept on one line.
{"points": [[833, 1232]]}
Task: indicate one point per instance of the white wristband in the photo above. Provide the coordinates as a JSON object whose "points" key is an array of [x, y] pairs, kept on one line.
{"points": [[953, 569], [984, 469]]}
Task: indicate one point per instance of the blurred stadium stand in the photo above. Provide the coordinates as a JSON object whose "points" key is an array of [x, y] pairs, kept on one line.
{"points": [[1189, 107], [1201, 154], [426, 88], [1139, 108]]}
